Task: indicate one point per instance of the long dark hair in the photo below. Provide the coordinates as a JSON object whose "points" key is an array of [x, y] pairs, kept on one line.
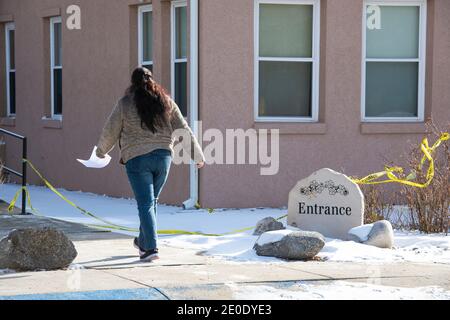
{"points": [[150, 98]]}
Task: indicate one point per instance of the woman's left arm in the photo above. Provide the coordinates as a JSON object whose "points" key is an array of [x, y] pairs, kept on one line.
{"points": [[178, 122], [111, 132]]}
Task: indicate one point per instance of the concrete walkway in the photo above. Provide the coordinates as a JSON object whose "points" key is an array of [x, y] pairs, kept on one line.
{"points": [[108, 267]]}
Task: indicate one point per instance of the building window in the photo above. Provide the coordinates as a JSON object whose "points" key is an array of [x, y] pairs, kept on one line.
{"points": [[287, 60], [145, 21], [179, 54], [56, 66], [393, 79], [10, 70]]}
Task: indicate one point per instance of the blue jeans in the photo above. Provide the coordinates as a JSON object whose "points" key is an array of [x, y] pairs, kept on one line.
{"points": [[147, 175]]}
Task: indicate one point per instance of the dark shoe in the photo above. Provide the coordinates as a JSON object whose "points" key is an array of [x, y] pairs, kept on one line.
{"points": [[150, 256], [136, 245]]}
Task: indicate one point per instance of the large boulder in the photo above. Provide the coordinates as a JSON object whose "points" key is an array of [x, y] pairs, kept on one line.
{"points": [[379, 234], [36, 249], [291, 245], [266, 225]]}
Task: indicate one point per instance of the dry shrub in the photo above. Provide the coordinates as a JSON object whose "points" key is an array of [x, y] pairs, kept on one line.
{"points": [[429, 207], [383, 202], [377, 207], [374, 205], [407, 207]]}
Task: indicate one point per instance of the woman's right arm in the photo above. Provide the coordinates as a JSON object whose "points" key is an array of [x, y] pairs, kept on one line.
{"points": [[111, 132]]}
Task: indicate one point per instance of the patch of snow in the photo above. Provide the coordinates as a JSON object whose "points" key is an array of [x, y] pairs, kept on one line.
{"points": [[5, 271], [124, 211], [362, 232], [349, 251], [272, 236], [336, 290], [409, 246]]}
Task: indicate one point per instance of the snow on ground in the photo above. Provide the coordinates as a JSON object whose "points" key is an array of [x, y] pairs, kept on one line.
{"points": [[337, 290], [362, 232], [409, 246], [124, 211], [5, 271], [272, 236]]}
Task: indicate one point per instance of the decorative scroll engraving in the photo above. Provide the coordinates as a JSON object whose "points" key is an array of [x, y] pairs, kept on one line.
{"points": [[316, 187]]}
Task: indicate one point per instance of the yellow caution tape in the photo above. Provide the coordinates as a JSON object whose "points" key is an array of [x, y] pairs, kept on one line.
{"points": [[390, 172], [371, 179], [107, 224]]}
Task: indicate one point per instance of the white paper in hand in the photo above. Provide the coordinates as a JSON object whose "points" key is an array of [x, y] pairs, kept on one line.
{"points": [[96, 162]]}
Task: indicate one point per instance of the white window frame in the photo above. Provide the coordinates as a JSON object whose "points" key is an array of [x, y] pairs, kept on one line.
{"points": [[53, 67], [141, 11], [422, 4], [9, 27], [315, 59], [173, 59]]}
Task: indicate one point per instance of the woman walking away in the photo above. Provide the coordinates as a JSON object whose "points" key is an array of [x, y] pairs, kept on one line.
{"points": [[143, 122]]}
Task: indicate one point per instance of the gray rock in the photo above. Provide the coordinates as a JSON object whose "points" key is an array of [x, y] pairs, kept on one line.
{"points": [[267, 224], [36, 249], [297, 245], [381, 235]]}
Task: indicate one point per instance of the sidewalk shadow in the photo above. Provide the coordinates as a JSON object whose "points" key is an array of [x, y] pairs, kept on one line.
{"points": [[13, 276], [103, 263], [114, 258]]}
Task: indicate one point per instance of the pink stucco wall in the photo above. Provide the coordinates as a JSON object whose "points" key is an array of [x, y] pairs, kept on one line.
{"points": [[340, 141], [96, 65], [97, 61]]}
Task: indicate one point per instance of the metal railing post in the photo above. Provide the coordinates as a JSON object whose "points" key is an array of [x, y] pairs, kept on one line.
{"points": [[24, 176]]}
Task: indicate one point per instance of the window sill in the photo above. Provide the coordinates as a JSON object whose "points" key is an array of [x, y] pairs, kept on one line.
{"points": [[317, 128], [50, 12], [5, 18], [393, 128], [8, 121], [51, 123]]}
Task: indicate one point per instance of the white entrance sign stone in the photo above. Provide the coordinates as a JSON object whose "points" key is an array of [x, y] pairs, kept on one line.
{"points": [[327, 202]]}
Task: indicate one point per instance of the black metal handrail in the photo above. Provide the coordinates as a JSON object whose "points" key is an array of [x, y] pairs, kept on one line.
{"points": [[22, 175]]}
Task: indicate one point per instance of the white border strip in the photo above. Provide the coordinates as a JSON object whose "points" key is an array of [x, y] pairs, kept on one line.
{"points": [[9, 27], [193, 100], [141, 11], [54, 21], [422, 4], [173, 45], [315, 60]]}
